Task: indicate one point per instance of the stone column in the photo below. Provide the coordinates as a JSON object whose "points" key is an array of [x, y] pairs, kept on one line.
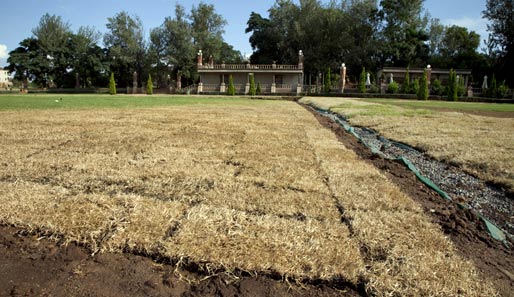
{"points": [[343, 77], [300, 59], [222, 86], [247, 86], [429, 74], [179, 81], [134, 82], [199, 59], [273, 85], [77, 81]]}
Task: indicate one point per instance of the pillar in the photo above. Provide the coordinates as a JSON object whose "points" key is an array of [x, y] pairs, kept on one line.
{"points": [[134, 82], [222, 86], [199, 59], [273, 85], [247, 86], [343, 77]]}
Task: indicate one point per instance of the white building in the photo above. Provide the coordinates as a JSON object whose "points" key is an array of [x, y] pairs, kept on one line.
{"points": [[5, 79]]}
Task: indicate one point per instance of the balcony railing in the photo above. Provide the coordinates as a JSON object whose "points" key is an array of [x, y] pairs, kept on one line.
{"points": [[249, 66]]}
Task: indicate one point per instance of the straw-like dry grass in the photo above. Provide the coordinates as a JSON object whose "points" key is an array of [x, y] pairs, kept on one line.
{"points": [[481, 145], [260, 188]]}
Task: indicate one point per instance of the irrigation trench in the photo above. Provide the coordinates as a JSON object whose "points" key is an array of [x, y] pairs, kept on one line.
{"points": [[482, 199]]}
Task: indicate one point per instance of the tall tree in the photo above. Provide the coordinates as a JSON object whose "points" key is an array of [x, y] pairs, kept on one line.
{"points": [[172, 44], [500, 14], [89, 61], [405, 32], [125, 43], [207, 29], [53, 35], [28, 62]]}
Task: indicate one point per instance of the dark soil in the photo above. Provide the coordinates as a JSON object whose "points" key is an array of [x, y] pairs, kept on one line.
{"points": [[494, 259], [32, 266]]}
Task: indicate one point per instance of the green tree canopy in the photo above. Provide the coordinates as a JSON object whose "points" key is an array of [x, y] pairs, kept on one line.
{"points": [[500, 14], [126, 46]]}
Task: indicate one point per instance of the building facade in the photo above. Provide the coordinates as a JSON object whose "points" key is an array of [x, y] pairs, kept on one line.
{"points": [[5, 80], [398, 74], [272, 79]]}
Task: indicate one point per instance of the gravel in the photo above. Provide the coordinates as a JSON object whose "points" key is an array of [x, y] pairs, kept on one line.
{"points": [[490, 201]]}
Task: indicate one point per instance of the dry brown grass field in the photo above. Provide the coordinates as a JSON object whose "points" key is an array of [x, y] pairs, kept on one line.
{"points": [[481, 145], [262, 188]]}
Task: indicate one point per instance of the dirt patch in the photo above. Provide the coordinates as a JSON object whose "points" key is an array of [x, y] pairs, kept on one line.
{"points": [[467, 232], [33, 266]]}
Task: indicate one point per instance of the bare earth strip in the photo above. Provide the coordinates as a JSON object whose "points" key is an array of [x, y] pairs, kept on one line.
{"points": [[259, 188], [481, 145]]}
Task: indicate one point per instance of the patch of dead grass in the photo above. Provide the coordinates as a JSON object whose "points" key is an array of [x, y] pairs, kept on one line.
{"points": [[253, 188]]}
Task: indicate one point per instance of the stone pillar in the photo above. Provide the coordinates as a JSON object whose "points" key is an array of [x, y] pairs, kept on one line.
{"points": [[273, 85], [300, 59], [343, 77], [199, 59], [134, 82], [247, 86], [179, 81], [77, 81], [222, 86], [429, 74]]}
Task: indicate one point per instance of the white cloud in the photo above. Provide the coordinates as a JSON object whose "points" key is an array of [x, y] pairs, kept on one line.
{"points": [[479, 25], [3, 51]]}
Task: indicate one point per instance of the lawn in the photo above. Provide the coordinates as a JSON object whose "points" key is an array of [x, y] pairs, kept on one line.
{"points": [[447, 105], [91, 101], [481, 145], [258, 186]]}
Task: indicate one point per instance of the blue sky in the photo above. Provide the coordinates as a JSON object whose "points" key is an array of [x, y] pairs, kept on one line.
{"points": [[19, 18]]}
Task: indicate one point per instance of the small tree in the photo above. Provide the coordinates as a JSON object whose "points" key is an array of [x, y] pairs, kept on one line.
{"points": [[414, 87], [492, 92], [252, 90], [406, 87], [149, 85], [502, 91], [423, 88], [231, 90], [361, 87], [452, 87], [258, 90], [328, 81], [112, 85], [437, 87], [392, 88]]}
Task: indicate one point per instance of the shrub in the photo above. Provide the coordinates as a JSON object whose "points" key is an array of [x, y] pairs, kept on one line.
{"points": [[373, 89], [258, 90], [414, 87], [406, 87], [492, 92], [112, 85], [252, 90], [437, 87], [502, 91], [231, 90], [392, 88], [452, 87], [328, 83], [423, 88], [149, 85], [361, 87]]}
